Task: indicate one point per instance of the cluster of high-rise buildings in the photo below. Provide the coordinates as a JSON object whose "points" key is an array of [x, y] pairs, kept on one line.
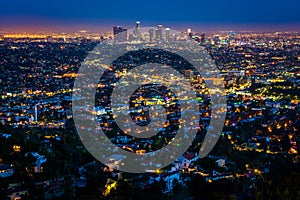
{"points": [[158, 33], [165, 34]]}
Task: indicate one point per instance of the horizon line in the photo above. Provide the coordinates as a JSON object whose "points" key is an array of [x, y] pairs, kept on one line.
{"points": [[105, 26]]}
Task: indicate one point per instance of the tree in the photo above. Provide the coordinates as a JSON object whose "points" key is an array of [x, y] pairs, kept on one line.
{"points": [[195, 185], [125, 190], [3, 187], [162, 184], [176, 186], [30, 163]]}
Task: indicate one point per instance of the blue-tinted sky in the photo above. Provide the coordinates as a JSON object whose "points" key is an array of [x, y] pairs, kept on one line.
{"points": [[103, 14]]}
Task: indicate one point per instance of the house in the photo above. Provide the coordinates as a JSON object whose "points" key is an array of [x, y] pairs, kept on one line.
{"points": [[16, 193], [6, 170], [169, 179], [123, 139], [221, 162], [40, 159], [79, 182], [114, 162], [184, 161], [6, 136], [47, 145], [54, 189]]}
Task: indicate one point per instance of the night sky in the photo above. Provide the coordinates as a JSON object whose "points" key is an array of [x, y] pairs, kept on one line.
{"points": [[101, 15]]}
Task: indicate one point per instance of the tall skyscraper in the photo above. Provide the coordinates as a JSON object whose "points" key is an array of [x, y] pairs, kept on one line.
{"points": [[158, 33], [231, 36], [118, 29], [216, 39], [137, 31], [202, 38], [167, 33], [151, 35], [138, 25], [120, 33], [189, 32]]}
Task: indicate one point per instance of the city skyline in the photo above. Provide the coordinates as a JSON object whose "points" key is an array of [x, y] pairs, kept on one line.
{"points": [[107, 27]]}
